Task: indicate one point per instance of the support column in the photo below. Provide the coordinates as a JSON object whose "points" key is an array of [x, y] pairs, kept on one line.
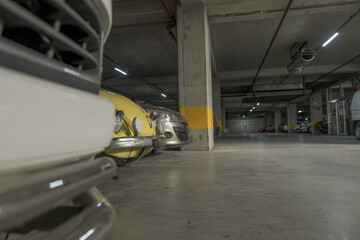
{"points": [[223, 119], [316, 111], [269, 121], [277, 120], [217, 105], [292, 116], [194, 71]]}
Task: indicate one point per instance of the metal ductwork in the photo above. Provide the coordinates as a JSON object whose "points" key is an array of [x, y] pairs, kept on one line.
{"points": [[299, 61]]}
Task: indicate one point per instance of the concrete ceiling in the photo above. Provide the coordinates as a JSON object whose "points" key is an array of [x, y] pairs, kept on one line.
{"points": [[241, 32]]}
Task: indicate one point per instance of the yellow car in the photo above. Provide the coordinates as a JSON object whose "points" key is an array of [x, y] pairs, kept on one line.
{"points": [[134, 131]]}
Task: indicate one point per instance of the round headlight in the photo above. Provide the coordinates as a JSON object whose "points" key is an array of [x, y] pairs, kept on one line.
{"points": [[117, 122], [137, 125]]}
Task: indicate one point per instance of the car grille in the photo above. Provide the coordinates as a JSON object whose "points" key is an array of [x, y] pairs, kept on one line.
{"points": [[182, 133], [60, 41]]}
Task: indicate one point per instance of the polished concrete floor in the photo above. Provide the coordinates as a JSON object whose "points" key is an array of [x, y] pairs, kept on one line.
{"points": [[252, 186]]}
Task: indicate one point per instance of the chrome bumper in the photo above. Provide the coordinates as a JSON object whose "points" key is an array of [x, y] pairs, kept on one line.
{"points": [[95, 221], [28, 193], [131, 142], [160, 143]]}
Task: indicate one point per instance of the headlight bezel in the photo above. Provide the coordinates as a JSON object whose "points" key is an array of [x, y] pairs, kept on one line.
{"points": [[118, 121]]}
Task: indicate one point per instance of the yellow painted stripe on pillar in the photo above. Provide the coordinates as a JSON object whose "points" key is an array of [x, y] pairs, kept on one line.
{"points": [[198, 117], [222, 126], [291, 126], [315, 124], [277, 127]]}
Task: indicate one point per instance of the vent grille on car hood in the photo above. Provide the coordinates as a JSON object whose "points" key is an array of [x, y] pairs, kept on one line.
{"points": [[59, 40]]}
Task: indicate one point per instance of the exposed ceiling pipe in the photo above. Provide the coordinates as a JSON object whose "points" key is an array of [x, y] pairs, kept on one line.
{"points": [[336, 82], [319, 47], [299, 8], [171, 15], [326, 74], [271, 43], [138, 76]]}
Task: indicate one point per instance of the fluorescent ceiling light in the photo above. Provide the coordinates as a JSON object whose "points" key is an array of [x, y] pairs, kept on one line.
{"points": [[250, 110], [121, 71], [164, 95], [243, 116], [253, 107], [299, 111], [258, 104], [330, 39]]}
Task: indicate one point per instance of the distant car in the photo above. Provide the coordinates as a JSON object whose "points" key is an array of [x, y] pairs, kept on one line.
{"points": [[134, 133], [271, 128], [323, 126], [303, 127], [173, 123], [355, 112], [216, 127], [285, 127]]}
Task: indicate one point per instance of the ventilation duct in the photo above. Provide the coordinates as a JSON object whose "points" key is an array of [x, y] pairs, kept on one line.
{"points": [[302, 58]]}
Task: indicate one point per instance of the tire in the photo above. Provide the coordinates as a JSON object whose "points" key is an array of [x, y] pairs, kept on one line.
{"points": [[357, 130]]}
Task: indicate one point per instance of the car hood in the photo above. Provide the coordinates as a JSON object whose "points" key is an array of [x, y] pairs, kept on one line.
{"points": [[166, 110]]}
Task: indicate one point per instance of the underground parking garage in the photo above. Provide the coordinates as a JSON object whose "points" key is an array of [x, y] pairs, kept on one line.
{"points": [[179, 119]]}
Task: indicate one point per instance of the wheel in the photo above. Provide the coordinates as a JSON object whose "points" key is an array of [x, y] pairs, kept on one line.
{"points": [[357, 130]]}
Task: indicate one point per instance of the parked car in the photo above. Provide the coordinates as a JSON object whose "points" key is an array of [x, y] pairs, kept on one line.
{"points": [[285, 127], [173, 124], [53, 123], [355, 112], [304, 126], [271, 128], [135, 130], [216, 127], [323, 126]]}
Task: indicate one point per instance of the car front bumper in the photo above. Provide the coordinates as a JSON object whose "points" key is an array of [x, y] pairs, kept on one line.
{"points": [[178, 134], [131, 142], [26, 194]]}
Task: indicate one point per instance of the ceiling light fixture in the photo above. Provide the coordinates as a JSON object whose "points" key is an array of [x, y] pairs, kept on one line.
{"points": [[164, 95], [258, 104], [243, 116], [253, 107], [330, 39], [250, 110], [299, 111], [121, 71]]}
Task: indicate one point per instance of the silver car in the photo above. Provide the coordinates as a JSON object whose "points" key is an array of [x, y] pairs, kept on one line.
{"points": [[173, 125]]}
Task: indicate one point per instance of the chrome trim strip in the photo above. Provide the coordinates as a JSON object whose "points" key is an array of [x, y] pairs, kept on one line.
{"points": [[27, 193], [131, 142]]}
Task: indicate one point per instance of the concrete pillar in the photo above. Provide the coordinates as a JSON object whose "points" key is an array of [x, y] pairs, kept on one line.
{"points": [[194, 71], [268, 121], [292, 116], [277, 120], [316, 110], [223, 119], [217, 104]]}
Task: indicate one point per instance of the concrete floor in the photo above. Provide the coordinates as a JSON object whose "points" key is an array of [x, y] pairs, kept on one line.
{"points": [[254, 186]]}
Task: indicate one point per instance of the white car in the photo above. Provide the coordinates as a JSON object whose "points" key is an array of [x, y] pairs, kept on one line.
{"points": [[53, 123], [355, 112]]}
